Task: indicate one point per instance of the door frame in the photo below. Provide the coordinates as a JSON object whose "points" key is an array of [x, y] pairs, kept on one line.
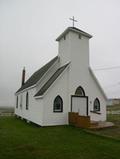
{"points": [[80, 97]]}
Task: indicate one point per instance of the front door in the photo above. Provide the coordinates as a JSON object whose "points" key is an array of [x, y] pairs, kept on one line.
{"points": [[79, 104]]}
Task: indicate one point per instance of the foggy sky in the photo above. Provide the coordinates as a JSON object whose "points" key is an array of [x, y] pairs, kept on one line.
{"points": [[28, 29]]}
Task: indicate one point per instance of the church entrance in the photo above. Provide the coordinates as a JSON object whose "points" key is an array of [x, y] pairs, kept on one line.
{"points": [[79, 102]]}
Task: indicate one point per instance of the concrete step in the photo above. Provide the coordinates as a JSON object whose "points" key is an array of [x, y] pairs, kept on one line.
{"points": [[94, 123], [101, 125]]}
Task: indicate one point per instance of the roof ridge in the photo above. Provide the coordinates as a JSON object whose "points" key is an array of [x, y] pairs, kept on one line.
{"points": [[74, 29], [45, 64]]}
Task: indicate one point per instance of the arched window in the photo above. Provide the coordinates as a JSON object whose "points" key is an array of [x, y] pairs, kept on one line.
{"points": [[27, 100], [58, 104], [17, 102], [96, 105], [80, 91]]}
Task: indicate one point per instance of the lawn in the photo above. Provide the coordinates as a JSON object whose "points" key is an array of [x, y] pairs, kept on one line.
{"points": [[19, 140], [113, 107]]}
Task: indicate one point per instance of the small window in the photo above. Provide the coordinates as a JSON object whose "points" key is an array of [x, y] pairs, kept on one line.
{"points": [[79, 36], [58, 104], [80, 91], [17, 102], [96, 105], [27, 101], [21, 101], [64, 37]]}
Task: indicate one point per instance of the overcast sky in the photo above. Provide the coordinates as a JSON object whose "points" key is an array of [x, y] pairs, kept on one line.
{"points": [[28, 29]]}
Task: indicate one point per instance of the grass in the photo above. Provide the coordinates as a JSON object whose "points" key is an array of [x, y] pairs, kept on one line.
{"points": [[19, 140], [113, 107]]}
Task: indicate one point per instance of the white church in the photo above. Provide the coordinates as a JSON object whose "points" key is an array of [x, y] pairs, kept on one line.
{"points": [[65, 84]]}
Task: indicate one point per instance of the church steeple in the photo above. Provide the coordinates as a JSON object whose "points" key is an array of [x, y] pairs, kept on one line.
{"points": [[74, 45]]}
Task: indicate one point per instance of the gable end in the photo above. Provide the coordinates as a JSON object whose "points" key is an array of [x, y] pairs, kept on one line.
{"points": [[51, 81]]}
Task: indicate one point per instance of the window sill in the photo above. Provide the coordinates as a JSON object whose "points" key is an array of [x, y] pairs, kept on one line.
{"points": [[55, 111], [96, 112]]}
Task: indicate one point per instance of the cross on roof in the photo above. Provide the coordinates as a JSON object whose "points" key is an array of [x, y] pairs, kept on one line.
{"points": [[73, 19]]}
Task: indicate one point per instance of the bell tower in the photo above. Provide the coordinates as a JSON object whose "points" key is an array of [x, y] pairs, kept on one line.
{"points": [[74, 47]]}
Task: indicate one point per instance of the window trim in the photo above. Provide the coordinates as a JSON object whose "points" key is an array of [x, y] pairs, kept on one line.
{"points": [[61, 110], [95, 112], [81, 88], [98, 109]]}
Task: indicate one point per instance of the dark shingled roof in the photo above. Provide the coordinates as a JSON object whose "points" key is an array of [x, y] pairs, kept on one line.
{"points": [[51, 81], [74, 30], [37, 75]]}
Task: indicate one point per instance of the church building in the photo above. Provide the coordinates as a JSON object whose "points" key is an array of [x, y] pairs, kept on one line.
{"points": [[65, 84]]}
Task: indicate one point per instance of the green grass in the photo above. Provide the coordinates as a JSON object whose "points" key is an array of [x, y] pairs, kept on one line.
{"points": [[113, 107], [19, 140]]}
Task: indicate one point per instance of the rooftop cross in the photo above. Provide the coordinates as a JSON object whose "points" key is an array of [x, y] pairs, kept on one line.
{"points": [[73, 19]]}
